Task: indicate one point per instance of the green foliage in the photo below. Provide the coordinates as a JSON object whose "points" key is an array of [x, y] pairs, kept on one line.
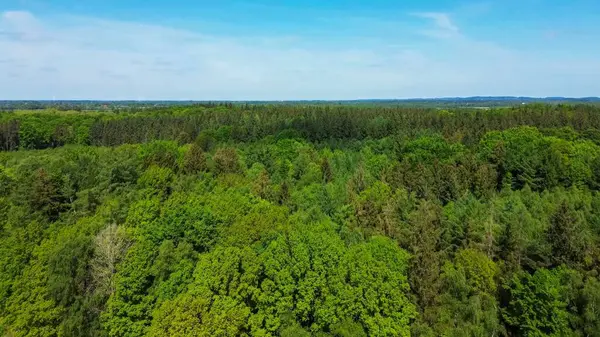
{"points": [[6, 181], [128, 310], [194, 160], [467, 304], [156, 180], [567, 236], [160, 153], [590, 303], [479, 270], [539, 161], [182, 217], [423, 241], [427, 149], [226, 161], [206, 140], [371, 279], [537, 304]]}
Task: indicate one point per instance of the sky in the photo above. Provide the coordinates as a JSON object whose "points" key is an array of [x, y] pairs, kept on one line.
{"points": [[297, 50]]}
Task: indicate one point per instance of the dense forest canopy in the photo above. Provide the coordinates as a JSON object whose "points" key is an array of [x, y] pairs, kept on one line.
{"points": [[300, 220]]}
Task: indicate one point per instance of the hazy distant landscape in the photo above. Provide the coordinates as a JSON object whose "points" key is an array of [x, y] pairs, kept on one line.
{"points": [[491, 101]]}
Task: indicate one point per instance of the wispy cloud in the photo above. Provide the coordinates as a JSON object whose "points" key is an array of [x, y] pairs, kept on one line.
{"points": [[443, 26], [441, 20], [87, 58], [110, 59]]}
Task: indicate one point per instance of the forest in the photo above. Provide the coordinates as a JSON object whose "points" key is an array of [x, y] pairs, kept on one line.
{"points": [[300, 220]]}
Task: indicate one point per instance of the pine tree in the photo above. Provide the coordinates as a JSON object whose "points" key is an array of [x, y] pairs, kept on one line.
{"points": [[326, 170], [424, 245], [566, 237]]}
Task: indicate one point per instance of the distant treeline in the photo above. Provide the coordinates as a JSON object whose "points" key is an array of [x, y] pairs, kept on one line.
{"points": [[39, 130]]}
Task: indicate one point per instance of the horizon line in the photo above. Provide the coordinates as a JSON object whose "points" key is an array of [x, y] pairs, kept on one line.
{"points": [[313, 100]]}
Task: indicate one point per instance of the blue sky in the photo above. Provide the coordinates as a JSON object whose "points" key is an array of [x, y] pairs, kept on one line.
{"points": [[277, 50]]}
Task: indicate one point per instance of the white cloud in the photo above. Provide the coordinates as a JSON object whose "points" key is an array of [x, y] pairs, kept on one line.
{"points": [[86, 58], [18, 18], [20, 24]]}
